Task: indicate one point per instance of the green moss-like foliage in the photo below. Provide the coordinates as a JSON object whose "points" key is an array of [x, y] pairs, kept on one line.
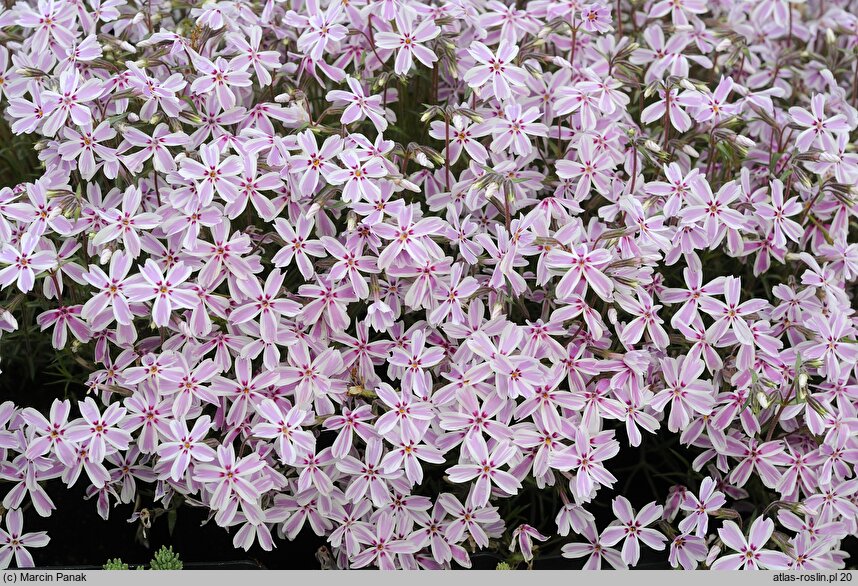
{"points": [[166, 559], [115, 564]]}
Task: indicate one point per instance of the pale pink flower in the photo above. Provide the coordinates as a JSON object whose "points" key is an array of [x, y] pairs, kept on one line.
{"points": [[495, 67], [408, 41], [751, 554]]}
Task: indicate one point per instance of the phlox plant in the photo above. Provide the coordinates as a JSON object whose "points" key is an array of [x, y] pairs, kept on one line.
{"points": [[422, 277]]}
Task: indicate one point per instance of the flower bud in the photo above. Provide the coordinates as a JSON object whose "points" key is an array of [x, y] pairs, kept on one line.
{"points": [[492, 190], [297, 111], [690, 151], [404, 183], [612, 315], [615, 233], [428, 114], [801, 387], [423, 160], [652, 145], [30, 72], [474, 117], [725, 514], [816, 406], [744, 141], [560, 61]]}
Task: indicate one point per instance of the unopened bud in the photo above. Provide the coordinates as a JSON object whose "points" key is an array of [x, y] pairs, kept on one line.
{"points": [[744, 141], [423, 160], [192, 118], [687, 85], [404, 183], [614, 234], [30, 72], [492, 190], [725, 514], [723, 45], [830, 36], [474, 117], [690, 151], [767, 383], [829, 158], [816, 406], [284, 98], [653, 146], [497, 309]]}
